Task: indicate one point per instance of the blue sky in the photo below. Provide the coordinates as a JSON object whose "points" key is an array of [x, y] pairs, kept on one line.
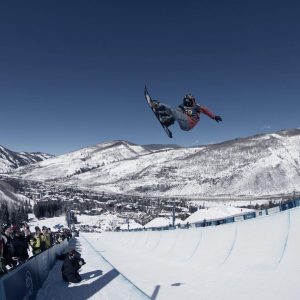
{"points": [[73, 72]]}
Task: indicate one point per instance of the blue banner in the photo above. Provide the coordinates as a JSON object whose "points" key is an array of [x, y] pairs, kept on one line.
{"points": [[24, 281]]}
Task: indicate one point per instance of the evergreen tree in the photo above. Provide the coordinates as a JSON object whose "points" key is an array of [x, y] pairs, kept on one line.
{"points": [[21, 215], [4, 214], [47, 208], [13, 217]]}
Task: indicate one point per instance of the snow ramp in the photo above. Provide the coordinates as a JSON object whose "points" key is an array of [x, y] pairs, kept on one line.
{"points": [[100, 280], [252, 259]]}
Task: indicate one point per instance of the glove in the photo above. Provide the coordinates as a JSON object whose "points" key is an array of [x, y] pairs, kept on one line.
{"points": [[218, 119]]}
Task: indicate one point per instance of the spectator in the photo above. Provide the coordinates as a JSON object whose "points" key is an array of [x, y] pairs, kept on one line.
{"points": [[45, 238], [51, 237], [36, 242], [71, 266], [20, 246], [26, 231], [58, 238], [68, 234], [63, 234], [8, 248], [2, 262]]}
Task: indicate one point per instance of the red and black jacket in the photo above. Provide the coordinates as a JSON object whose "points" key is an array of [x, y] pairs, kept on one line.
{"points": [[194, 112]]}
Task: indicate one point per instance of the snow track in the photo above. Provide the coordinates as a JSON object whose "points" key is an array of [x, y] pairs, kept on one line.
{"points": [[101, 281], [253, 259]]}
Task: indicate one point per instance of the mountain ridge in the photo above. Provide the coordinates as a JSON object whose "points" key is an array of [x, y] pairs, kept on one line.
{"points": [[256, 165], [10, 160]]}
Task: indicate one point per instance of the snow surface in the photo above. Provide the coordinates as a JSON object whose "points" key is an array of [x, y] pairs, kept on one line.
{"points": [[132, 225], [254, 259], [216, 212], [48, 222], [100, 280]]}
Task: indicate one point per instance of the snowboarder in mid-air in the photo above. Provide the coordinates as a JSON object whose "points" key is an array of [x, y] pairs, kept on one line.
{"points": [[187, 114]]}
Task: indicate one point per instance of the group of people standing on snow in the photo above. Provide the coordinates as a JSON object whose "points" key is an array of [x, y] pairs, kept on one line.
{"points": [[18, 242]]}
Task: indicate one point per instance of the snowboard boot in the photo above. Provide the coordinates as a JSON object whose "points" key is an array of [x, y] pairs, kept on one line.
{"points": [[167, 120], [154, 104]]}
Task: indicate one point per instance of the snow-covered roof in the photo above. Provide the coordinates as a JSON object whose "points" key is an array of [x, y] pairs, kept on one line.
{"points": [[217, 212], [132, 225], [159, 222]]}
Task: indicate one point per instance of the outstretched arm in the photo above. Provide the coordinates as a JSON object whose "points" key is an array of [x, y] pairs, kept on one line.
{"points": [[204, 110]]}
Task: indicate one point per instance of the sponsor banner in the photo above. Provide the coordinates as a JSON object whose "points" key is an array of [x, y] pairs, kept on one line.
{"points": [[287, 205], [249, 215], [52, 256], [22, 283], [238, 218], [229, 220], [260, 213], [1, 290], [43, 265]]}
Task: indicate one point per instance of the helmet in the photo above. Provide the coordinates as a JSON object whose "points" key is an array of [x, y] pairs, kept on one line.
{"points": [[189, 100]]}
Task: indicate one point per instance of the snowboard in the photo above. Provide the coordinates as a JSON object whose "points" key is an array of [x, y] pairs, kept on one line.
{"points": [[149, 101]]}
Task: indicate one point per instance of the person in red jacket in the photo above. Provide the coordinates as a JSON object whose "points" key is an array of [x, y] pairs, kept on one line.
{"points": [[187, 115]]}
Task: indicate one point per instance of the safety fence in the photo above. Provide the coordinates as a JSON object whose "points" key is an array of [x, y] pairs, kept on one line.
{"points": [[236, 218], [24, 281]]}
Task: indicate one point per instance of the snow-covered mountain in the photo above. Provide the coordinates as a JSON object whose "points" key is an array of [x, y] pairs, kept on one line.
{"points": [[264, 164], [9, 195], [11, 160]]}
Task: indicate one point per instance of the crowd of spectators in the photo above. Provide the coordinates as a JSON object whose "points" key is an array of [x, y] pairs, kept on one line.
{"points": [[18, 243]]}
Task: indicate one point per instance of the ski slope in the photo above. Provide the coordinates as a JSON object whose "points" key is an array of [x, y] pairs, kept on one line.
{"points": [[253, 259]]}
